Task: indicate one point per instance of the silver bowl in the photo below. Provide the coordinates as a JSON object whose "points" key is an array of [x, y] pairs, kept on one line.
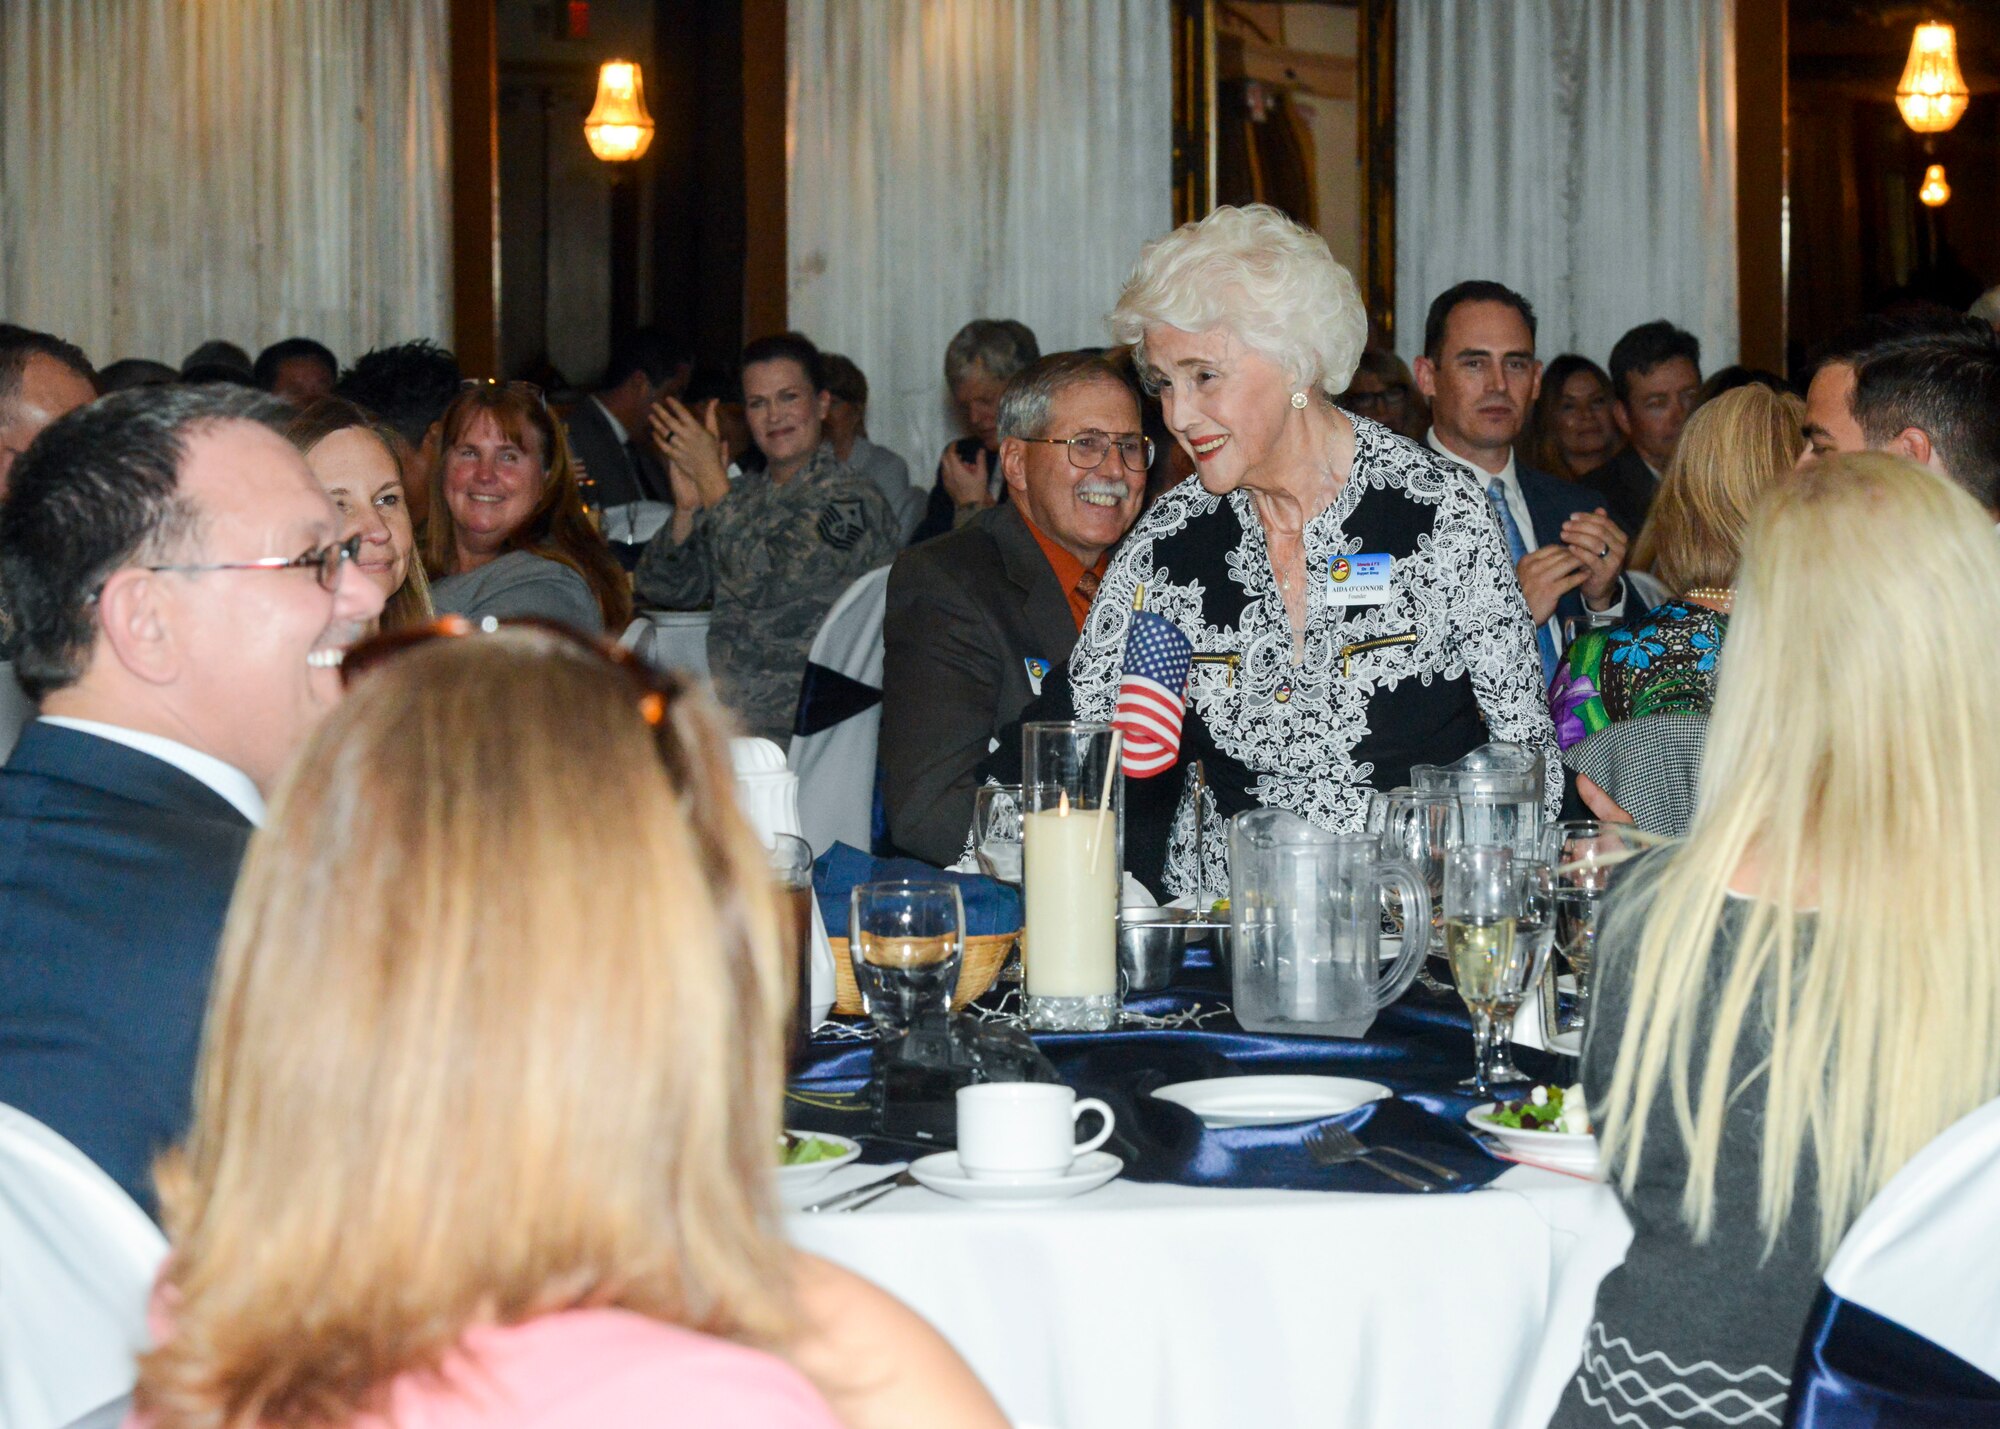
{"points": [[1152, 946]]}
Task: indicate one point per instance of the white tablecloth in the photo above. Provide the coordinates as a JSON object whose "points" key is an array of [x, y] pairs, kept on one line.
{"points": [[1168, 1306]]}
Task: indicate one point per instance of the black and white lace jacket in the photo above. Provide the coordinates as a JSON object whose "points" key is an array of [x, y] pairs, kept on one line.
{"points": [[1447, 664]]}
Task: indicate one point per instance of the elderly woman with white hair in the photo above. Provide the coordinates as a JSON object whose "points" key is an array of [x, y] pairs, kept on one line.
{"points": [[1348, 594]]}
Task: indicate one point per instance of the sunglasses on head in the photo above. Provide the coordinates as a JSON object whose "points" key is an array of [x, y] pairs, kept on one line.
{"points": [[655, 688]]}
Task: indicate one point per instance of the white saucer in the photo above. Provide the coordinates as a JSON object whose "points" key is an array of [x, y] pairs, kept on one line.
{"points": [[1571, 1150], [1223, 1102], [940, 1171], [790, 1178]]}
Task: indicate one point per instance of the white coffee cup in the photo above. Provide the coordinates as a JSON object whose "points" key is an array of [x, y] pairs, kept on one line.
{"points": [[1023, 1131]]}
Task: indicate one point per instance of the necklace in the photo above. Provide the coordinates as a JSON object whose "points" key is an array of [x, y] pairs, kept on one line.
{"points": [[1723, 598]]}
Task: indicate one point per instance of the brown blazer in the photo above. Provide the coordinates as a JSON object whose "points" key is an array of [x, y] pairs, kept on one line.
{"points": [[966, 612]]}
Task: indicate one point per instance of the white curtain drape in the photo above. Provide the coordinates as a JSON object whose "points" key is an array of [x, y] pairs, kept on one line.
{"points": [[958, 159], [1580, 151], [242, 169]]}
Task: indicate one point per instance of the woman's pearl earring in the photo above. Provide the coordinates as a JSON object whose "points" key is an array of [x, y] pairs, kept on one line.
{"points": [[1299, 400]]}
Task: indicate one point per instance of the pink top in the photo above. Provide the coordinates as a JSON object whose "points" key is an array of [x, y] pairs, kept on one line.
{"points": [[602, 1369]]}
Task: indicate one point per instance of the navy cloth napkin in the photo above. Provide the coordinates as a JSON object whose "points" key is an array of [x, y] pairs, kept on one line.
{"points": [[991, 907]]}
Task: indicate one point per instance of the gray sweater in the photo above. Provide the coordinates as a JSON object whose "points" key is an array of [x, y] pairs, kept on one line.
{"points": [[517, 584], [1694, 1336]]}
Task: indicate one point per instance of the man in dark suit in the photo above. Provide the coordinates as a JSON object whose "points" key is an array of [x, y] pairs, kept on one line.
{"points": [[609, 431], [181, 595], [1655, 383], [1479, 372], [977, 619]]}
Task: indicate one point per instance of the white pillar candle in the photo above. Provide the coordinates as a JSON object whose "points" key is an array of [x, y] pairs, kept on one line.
{"points": [[1070, 880]]}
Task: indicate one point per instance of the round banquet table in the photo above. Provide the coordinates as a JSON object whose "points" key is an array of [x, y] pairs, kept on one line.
{"points": [[1159, 1304]]}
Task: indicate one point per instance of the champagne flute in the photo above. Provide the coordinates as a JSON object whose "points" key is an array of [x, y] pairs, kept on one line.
{"points": [[1534, 931], [1481, 903], [907, 939]]}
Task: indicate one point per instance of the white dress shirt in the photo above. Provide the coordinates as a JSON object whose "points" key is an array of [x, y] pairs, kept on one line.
{"points": [[226, 780], [1517, 504]]}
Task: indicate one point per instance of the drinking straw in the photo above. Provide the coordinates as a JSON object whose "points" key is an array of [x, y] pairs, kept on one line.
{"points": [[1104, 798]]}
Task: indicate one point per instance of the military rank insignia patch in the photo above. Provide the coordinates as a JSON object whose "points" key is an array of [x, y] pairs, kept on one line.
{"points": [[840, 523]]}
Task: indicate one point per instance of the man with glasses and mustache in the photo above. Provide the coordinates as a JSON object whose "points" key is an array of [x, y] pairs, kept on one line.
{"points": [[182, 599], [978, 618]]}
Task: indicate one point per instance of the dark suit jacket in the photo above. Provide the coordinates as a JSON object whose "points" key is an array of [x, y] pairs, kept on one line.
{"points": [[115, 872], [613, 478], [1552, 501], [965, 613], [1627, 485]]}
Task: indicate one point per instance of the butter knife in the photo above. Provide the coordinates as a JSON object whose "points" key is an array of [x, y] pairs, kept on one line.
{"points": [[900, 1177]]}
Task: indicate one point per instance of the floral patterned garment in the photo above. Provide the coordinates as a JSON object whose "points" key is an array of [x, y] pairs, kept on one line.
{"points": [[1662, 662], [1446, 664]]}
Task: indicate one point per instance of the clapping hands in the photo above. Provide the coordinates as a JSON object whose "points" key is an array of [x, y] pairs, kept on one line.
{"points": [[696, 458]]}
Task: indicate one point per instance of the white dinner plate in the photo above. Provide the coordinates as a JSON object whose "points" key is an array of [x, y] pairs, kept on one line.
{"points": [[1572, 1151], [790, 1178], [1223, 1102], [941, 1172]]}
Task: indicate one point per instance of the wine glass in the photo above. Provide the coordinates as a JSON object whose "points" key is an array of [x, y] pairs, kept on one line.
{"points": [[1482, 899], [996, 831], [1586, 854], [1420, 827], [907, 939]]}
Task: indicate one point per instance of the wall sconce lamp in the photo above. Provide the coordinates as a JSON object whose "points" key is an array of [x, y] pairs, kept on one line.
{"points": [[1935, 192], [1932, 92], [619, 128]]}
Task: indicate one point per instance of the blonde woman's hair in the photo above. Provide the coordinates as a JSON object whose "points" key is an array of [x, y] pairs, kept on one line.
{"points": [[1851, 764], [1271, 282], [1733, 449], [498, 1030]]}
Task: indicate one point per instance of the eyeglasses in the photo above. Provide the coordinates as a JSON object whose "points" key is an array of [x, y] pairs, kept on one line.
{"points": [[1087, 450], [324, 561], [655, 688]]}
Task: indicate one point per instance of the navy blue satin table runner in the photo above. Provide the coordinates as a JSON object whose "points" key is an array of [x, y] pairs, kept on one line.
{"points": [[1419, 1048]]}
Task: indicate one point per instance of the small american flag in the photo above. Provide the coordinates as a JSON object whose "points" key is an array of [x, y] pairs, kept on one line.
{"points": [[1152, 694]]}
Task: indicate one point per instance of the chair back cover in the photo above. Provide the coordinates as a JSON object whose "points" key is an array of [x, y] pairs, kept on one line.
{"points": [[77, 1261], [840, 717], [672, 640], [1907, 1327]]}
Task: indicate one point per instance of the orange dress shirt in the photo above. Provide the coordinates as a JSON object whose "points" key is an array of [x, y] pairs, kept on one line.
{"points": [[1078, 585]]}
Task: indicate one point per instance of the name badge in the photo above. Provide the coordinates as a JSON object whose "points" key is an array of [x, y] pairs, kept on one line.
{"points": [[1037, 669], [1359, 580]]}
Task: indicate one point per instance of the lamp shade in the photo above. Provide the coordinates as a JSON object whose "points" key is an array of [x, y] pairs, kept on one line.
{"points": [[1932, 93], [619, 128], [1935, 191]]}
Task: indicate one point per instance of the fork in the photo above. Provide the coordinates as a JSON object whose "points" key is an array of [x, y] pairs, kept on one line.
{"points": [[1329, 1150], [1341, 1139]]}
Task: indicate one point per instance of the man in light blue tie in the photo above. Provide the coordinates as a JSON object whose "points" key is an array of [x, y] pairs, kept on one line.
{"points": [[1479, 372]]}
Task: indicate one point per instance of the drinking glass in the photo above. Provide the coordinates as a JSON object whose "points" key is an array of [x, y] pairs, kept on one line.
{"points": [[1482, 896], [1420, 827], [906, 939], [996, 831], [1586, 855], [1534, 931], [792, 871], [1072, 799]]}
